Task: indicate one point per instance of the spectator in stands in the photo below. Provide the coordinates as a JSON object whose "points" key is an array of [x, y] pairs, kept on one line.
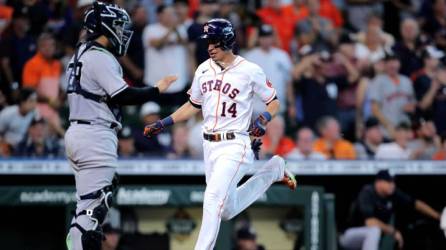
{"points": [[346, 101], [366, 148], [126, 143], [151, 7], [275, 142], [42, 72], [427, 141], [375, 21], [326, 9], [423, 78], [296, 9], [179, 147], [433, 99], [74, 30], [408, 50], [15, 119], [392, 96], [199, 47], [440, 155], [321, 28], [363, 93], [318, 86], [182, 10], [6, 13], [373, 213], [133, 61], [274, 14], [435, 23], [166, 54], [397, 150], [16, 47], [156, 146], [304, 147], [371, 50], [59, 18], [247, 240], [360, 11], [394, 12], [37, 12], [227, 10], [38, 142], [331, 144], [277, 65]]}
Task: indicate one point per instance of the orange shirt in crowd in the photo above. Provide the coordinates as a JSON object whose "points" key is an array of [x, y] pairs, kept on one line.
{"points": [[342, 149], [194, 5], [42, 75], [284, 146], [6, 12], [282, 22], [5, 16], [327, 10], [439, 156]]}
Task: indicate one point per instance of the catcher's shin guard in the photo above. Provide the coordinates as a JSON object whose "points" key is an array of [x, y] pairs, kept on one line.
{"points": [[92, 239]]}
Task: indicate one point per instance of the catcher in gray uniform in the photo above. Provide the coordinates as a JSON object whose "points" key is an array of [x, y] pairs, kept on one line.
{"points": [[96, 91]]}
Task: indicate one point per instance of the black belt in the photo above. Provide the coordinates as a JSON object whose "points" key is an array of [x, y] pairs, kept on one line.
{"points": [[219, 136], [112, 125]]}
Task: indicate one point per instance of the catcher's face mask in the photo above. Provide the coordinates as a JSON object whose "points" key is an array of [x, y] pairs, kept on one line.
{"points": [[123, 35]]}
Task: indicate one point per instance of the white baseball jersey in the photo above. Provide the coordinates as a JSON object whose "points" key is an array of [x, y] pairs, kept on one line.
{"points": [[226, 95], [101, 74]]}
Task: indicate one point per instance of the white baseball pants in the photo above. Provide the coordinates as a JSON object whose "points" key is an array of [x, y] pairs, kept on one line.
{"points": [[361, 238], [226, 162]]}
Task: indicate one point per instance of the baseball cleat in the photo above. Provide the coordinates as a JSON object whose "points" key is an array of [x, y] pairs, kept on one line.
{"points": [[289, 180]]}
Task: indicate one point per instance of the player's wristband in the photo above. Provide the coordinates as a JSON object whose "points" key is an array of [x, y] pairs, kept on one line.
{"points": [[168, 121], [267, 116]]}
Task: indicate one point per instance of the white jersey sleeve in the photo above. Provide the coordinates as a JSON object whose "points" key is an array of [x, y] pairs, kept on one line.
{"points": [[195, 94], [262, 86], [108, 73]]}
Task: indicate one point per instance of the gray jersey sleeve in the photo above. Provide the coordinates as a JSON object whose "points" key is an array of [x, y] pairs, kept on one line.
{"points": [[375, 89], [410, 90], [107, 73]]}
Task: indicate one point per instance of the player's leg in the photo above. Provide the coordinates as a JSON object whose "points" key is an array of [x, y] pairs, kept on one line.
{"points": [[94, 182], [272, 171], [364, 238], [227, 170], [94, 198]]}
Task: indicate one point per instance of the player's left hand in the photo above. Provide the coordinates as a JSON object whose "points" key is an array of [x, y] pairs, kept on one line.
{"points": [[165, 82], [153, 129], [255, 146], [258, 127]]}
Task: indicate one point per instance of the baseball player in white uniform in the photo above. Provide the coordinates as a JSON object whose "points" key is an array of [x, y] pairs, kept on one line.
{"points": [[223, 89], [96, 91]]}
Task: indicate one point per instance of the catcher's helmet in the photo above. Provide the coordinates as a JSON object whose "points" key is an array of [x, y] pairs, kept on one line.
{"points": [[111, 21], [219, 31]]}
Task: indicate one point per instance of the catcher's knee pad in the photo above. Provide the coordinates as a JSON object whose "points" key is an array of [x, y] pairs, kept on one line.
{"points": [[92, 239]]}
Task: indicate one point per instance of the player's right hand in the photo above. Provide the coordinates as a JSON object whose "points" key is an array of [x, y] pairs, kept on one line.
{"points": [[258, 127], [153, 129], [165, 82]]}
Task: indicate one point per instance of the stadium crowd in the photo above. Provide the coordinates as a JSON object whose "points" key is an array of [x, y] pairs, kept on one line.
{"points": [[357, 79]]}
